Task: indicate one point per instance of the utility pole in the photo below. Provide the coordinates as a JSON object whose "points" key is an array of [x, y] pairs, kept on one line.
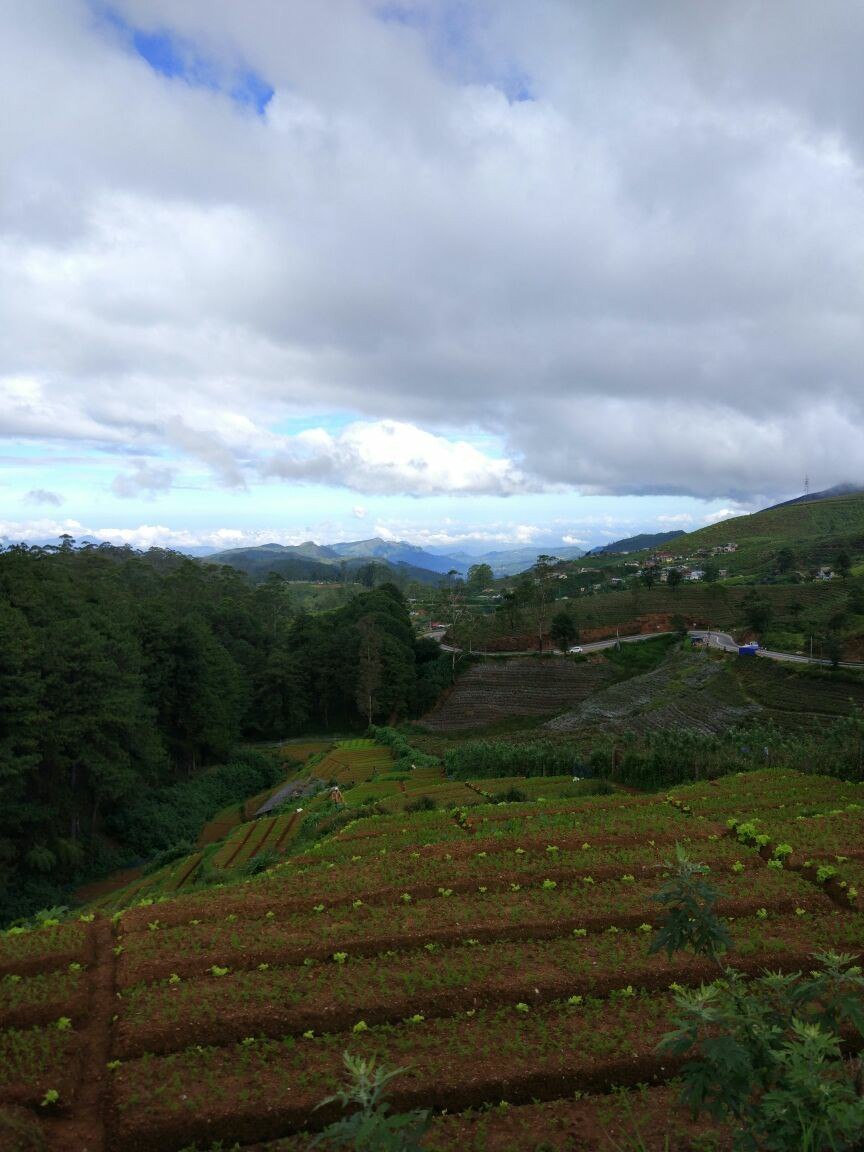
{"points": [[811, 647]]}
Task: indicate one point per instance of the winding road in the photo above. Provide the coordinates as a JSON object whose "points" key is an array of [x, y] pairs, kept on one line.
{"points": [[727, 643], [720, 640]]}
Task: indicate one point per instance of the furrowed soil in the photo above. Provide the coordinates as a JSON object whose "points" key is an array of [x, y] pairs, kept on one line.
{"points": [[507, 962]]}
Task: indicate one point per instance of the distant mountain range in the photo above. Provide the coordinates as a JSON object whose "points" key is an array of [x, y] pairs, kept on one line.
{"points": [[398, 552], [512, 561], [637, 543], [312, 561]]}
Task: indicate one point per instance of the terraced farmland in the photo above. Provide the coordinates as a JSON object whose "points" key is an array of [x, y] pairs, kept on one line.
{"points": [[688, 691], [795, 697], [502, 957], [499, 689]]}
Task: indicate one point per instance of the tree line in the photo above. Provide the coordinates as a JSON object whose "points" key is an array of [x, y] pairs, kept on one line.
{"points": [[122, 672]]}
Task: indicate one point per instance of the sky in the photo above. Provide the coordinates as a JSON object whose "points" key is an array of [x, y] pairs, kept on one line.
{"points": [[463, 272]]}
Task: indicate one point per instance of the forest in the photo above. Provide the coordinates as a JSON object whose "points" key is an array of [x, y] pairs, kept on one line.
{"points": [[125, 676]]}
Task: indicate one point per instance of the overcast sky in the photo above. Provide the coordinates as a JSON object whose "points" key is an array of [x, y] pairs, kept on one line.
{"points": [[458, 271]]}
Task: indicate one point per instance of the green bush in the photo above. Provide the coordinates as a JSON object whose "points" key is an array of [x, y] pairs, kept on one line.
{"points": [[767, 1055], [689, 919], [511, 796], [407, 757], [173, 852], [484, 759], [421, 804]]}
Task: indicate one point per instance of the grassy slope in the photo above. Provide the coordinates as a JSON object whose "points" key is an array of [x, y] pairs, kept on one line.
{"points": [[814, 532]]}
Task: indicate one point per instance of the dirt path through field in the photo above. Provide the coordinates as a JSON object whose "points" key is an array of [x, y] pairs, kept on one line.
{"points": [[83, 1126]]}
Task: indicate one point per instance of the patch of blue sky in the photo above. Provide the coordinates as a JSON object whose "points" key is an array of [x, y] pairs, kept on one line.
{"points": [[453, 34], [332, 422], [178, 58], [29, 450]]}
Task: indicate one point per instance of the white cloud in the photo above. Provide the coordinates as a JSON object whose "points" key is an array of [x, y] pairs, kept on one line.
{"points": [[18, 531], [162, 536], [452, 535], [575, 541], [644, 279], [675, 518], [143, 479], [359, 512], [391, 456], [723, 514]]}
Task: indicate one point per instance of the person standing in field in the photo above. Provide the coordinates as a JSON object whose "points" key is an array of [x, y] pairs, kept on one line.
{"points": [[336, 796]]}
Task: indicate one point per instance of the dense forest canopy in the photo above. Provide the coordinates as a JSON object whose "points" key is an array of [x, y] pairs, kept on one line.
{"points": [[123, 673]]}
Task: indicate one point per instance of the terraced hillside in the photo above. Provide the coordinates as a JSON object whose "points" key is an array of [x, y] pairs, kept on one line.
{"points": [[799, 697], [710, 694], [499, 689], [503, 958], [688, 691]]}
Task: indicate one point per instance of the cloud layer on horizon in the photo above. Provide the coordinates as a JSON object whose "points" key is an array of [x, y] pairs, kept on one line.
{"points": [[615, 248]]}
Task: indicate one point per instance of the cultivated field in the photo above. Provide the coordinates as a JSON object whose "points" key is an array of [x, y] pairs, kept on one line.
{"points": [[499, 689], [689, 691], [499, 955]]}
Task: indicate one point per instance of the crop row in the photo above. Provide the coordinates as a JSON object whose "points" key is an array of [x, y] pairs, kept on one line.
{"points": [[382, 878], [266, 834], [836, 833], [491, 691], [300, 752], [41, 998], [379, 877], [613, 1120], [333, 995], [542, 909], [261, 1087], [377, 857], [36, 1061], [776, 790], [641, 821], [791, 691], [522, 811], [43, 949]]}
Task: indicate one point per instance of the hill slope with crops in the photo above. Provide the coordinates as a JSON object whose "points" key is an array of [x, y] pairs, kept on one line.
{"points": [[499, 689], [498, 954]]}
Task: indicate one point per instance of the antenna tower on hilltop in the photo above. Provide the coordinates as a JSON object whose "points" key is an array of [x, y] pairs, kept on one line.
{"points": [[806, 485]]}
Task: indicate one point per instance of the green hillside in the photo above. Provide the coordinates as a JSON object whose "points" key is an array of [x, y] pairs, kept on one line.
{"points": [[637, 543], [815, 531]]}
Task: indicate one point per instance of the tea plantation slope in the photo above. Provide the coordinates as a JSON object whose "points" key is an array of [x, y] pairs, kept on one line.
{"points": [[498, 953]]}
